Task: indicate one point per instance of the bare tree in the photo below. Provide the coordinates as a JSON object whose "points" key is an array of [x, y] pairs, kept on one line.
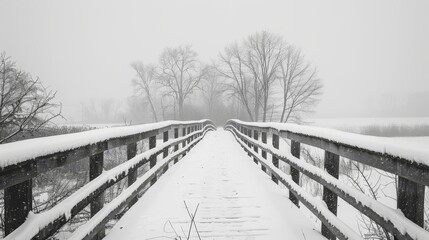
{"points": [[180, 72], [145, 84], [25, 104], [299, 83], [264, 54], [253, 68], [243, 86]]}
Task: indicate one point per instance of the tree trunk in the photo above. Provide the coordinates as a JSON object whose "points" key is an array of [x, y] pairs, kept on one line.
{"points": [[153, 108], [180, 103]]}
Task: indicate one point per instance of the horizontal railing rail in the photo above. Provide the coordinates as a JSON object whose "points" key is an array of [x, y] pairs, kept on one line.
{"points": [[247, 134], [23, 160], [91, 144]]}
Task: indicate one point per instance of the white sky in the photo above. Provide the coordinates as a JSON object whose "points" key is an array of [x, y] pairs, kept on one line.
{"points": [[83, 49]]}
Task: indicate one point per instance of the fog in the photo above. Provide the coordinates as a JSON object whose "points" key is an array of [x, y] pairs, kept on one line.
{"points": [[372, 56]]}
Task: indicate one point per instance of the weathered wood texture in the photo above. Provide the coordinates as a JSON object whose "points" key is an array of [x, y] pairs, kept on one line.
{"points": [[95, 169], [17, 179], [295, 150], [411, 188], [152, 159], [264, 153], [132, 174], [274, 159], [15, 173], [333, 228], [255, 147], [17, 204], [176, 147], [332, 166], [165, 152], [135, 193]]}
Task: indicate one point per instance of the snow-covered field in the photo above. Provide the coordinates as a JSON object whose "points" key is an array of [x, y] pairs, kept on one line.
{"points": [[358, 123]]}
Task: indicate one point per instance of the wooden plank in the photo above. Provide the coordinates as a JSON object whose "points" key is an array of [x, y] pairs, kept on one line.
{"points": [[152, 159], [132, 174], [274, 159], [353, 201], [165, 152], [411, 199], [51, 228], [184, 142], [119, 208], [14, 174], [17, 204], [176, 147], [295, 149], [255, 147], [333, 228], [188, 132], [405, 168], [332, 166], [95, 169], [264, 153], [413, 171], [249, 134]]}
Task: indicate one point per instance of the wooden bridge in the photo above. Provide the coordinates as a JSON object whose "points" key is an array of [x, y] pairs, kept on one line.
{"points": [[215, 191]]}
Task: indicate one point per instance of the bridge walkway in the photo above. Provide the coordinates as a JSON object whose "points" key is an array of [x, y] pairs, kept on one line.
{"points": [[235, 200]]}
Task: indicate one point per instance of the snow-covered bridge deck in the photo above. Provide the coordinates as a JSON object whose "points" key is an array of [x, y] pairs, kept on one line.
{"points": [[235, 200]]}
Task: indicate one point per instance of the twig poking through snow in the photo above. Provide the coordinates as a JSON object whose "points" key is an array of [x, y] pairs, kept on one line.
{"points": [[192, 219], [303, 235]]}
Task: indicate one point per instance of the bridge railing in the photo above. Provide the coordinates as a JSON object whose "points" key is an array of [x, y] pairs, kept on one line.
{"points": [[21, 161], [411, 166]]}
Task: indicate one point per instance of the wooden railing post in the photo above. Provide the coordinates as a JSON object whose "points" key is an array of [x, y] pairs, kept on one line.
{"points": [[152, 160], [194, 136], [184, 142], [249, 134], [255, 147], [17, 204], [275, 140], [410, 200], [295, 149], [132, 174], [165, 152], [95, 169], [245, 133], [264, 153], [332, 166], [189, 139], [176, 147], [188, 132]]}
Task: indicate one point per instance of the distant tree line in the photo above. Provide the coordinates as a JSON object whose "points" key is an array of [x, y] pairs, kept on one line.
{"points": [[263, 78]]}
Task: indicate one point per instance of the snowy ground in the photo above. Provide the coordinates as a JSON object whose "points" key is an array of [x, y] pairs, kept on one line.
{"points": [[235, 200], [356, 123]]}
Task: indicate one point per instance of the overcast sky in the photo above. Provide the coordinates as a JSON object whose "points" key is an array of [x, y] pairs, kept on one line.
{"points": [[82, 49]]}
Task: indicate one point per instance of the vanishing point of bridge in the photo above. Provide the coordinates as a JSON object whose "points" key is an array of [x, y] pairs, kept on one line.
{"points": [[200, 184]]}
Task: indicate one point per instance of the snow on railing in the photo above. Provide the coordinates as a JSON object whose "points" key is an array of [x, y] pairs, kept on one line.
{"points": [[63, 149], [402, 227]]}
